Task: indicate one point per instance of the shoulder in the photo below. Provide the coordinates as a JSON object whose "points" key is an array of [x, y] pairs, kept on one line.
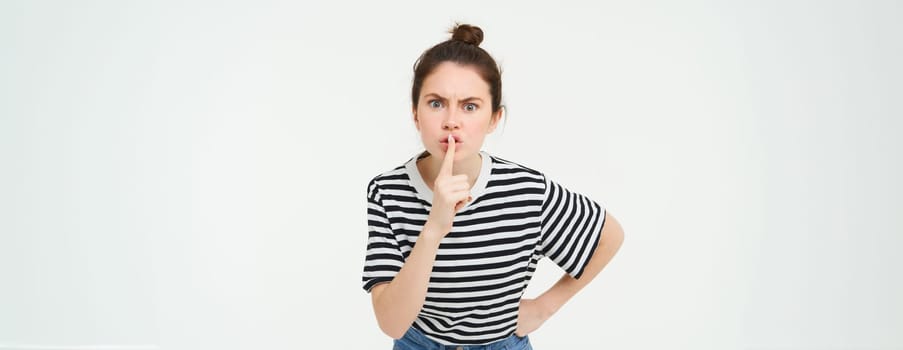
{"points": [[504, 168], [505, 165], [393, 175]]}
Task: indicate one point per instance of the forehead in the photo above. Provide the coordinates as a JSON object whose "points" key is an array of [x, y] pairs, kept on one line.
{"points": [[453, 80]]}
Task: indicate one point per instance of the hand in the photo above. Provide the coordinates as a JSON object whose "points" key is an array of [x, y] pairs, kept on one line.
{"points": [[530, 315], [450, 192]]}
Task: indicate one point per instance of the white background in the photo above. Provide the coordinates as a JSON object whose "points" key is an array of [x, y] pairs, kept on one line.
{"points": [[193, 175]]}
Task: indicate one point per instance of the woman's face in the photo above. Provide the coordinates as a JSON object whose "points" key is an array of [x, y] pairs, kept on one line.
{"points": [[455, 100]]}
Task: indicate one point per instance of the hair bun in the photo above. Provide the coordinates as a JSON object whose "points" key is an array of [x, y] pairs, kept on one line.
{"points": [[467, 33]]}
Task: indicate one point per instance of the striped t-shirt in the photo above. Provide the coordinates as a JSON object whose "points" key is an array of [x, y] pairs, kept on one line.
{"points": [[484, 263]]}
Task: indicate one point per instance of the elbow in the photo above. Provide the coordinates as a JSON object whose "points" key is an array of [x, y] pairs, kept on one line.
{"points": [[386, 317]]}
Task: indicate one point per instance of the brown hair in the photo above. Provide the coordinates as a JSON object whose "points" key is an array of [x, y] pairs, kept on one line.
{"points": [[463, 48]]}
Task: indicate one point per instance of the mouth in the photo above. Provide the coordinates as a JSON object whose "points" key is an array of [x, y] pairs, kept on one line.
{"points": [[456, 137]]}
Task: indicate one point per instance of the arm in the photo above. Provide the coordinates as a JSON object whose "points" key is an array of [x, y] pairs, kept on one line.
{"points": [[398, 302], [536, 311]]}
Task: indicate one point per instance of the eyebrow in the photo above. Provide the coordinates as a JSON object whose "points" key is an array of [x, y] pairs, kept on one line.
{"points": [[445, 99]]}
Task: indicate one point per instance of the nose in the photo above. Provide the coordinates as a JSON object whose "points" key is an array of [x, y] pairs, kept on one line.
{"points": [[451, 121]]}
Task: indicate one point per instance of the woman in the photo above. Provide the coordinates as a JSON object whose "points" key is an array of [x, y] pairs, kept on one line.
{"points": [[455, 233]]}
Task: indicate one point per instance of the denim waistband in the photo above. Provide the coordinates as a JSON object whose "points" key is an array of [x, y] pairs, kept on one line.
{"points": [[415, 339]]}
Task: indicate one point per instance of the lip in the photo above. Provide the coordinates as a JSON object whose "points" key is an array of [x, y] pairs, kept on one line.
{"points": [[456, 137]]}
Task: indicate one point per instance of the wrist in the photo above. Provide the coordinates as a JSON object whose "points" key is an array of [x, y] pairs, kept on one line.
{"points": [[433, 227], [432, 232]]}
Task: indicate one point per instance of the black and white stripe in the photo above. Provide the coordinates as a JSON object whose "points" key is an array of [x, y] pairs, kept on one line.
{"points": [[483, 265]]}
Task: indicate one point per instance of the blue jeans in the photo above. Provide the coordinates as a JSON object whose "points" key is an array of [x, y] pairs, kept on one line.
{"points": [[414, 339]]}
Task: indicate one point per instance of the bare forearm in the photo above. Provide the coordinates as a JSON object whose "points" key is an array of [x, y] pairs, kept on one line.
{"points": [[567, 286], [398, 304]]}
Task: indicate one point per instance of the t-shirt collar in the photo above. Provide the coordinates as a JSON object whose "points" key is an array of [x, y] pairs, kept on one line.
{"points": [[424, 192]]}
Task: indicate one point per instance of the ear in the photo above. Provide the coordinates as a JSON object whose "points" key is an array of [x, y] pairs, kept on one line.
{"points": [[416, 121], [494, 120]]}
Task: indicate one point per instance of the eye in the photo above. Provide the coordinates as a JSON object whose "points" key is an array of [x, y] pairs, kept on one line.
{"points": [[435, 104], [470, 107]]}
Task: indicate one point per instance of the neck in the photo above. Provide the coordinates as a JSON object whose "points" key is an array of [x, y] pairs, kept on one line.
{"points": [[471, 166]]}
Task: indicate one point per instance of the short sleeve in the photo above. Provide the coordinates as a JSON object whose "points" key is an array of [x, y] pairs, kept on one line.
{"points": [[571, 227], [383, 257]]}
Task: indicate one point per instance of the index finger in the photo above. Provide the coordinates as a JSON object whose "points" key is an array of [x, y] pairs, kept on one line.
{"points": [[449, 157]]}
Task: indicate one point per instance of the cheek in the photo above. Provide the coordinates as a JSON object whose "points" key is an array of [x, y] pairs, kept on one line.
{"points": [[429, 123]]}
